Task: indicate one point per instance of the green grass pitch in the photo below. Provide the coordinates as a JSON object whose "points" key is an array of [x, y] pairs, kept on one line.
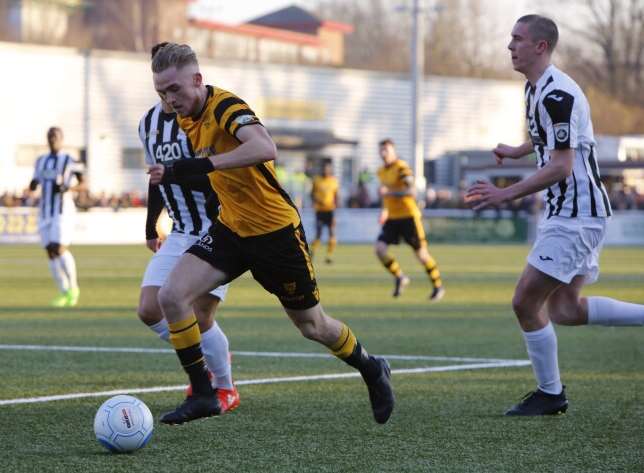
{"points": [[444, 421]]}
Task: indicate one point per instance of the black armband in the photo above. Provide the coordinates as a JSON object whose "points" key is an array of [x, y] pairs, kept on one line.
{"points": [[187, 167]]}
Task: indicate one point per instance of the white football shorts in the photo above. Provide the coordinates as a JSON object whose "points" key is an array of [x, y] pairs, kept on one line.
{"points": [[57, 230], [569, 247], [167, 257]]}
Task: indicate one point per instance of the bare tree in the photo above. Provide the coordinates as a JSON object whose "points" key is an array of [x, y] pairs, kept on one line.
{"points": [[380, 38], [123, 24], [614, 31]]}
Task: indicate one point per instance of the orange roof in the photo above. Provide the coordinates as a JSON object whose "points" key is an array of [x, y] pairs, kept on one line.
{"points": [[258, 31]]}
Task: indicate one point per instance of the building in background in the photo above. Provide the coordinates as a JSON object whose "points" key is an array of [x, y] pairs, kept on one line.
{"points": [[314, 113], [290, 35]]}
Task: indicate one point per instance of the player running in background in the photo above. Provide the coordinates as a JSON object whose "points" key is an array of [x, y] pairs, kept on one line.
{"points": [[325, 200], [193, 207], [401, 218], [565, 254], [258, 229], [58, 175]]}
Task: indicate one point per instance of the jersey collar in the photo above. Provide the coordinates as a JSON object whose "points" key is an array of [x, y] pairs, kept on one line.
{"points": [[544, 77], [205, 104]]}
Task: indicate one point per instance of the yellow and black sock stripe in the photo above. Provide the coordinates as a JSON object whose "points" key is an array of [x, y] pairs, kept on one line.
{"points": [[186, 340], [392, 265], [431, 268], [349, 350], [346, 343]]}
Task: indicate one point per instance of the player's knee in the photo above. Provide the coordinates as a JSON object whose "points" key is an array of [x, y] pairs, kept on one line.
{"points": [[521, 304], [380, 249], [149, 312], [171, 299]]}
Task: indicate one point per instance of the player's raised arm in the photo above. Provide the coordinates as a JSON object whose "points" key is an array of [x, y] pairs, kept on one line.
{"points": [[484, 194], [256, 147], [503, 151]]}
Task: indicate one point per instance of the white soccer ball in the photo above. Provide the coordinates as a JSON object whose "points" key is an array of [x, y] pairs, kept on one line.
{"points": [[123, 424]]}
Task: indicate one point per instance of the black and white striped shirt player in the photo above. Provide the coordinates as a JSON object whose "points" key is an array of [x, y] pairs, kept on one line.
{"points": [[571, 234], [191, 204], [164, 142], [54, 172], [558, 117]]}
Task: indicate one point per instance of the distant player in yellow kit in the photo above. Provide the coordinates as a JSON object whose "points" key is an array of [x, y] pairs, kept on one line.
{"points": [[325, 200], [400, 217]]}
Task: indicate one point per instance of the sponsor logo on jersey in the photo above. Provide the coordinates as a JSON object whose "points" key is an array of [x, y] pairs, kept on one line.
{"points": [[205, 152], [206, 242], [290, 287]]}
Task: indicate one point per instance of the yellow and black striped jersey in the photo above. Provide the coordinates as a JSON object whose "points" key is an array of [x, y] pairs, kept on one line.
{"points": [[324, 193], [252, 201], [394, 176]]}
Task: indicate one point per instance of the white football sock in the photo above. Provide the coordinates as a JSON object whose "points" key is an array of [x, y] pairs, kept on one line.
{"points": [[69, 266], [214, 345], [161, 328], [614, 313], [59, 275], [542, 350]]}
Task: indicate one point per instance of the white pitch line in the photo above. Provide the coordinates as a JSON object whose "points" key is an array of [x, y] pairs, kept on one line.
{"points": [[288, 379], [269, 354]]}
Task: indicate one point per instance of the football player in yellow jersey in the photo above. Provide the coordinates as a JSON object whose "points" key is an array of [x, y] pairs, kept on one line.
{"points": [[401, 218], [325, 200], [258, 229]]}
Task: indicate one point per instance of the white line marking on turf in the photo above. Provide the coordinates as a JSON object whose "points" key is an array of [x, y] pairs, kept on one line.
{"points": [[288, 379], [271, 354]]}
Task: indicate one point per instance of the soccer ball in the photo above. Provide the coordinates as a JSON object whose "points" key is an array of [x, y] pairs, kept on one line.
{"points": [[123, 424]]}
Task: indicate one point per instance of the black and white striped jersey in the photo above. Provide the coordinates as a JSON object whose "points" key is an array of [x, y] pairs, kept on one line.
{"points": [[164, 142], [558, 117], [54, 173]]}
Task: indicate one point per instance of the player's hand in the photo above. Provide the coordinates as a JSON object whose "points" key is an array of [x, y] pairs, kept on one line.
{"points": [[483, 194], [503, 151], [383, 191], [154, 244], [156, 173], [382, 218], [60, 188]]}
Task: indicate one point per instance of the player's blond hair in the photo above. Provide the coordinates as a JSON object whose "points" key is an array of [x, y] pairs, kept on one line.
{"points": [[172, 54]]}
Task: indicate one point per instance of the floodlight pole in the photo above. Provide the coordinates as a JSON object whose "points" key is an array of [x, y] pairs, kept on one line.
{"points": [[417, 74]]}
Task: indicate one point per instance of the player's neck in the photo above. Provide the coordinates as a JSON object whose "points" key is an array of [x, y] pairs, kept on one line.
{"points": [[536, 72], [203, 98]]}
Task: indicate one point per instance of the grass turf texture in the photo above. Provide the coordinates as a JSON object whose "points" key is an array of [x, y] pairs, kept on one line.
{"points": [[450, 421]]}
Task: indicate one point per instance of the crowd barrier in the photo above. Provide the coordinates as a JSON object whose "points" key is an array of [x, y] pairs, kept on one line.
{"points": [[106, 226]]}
